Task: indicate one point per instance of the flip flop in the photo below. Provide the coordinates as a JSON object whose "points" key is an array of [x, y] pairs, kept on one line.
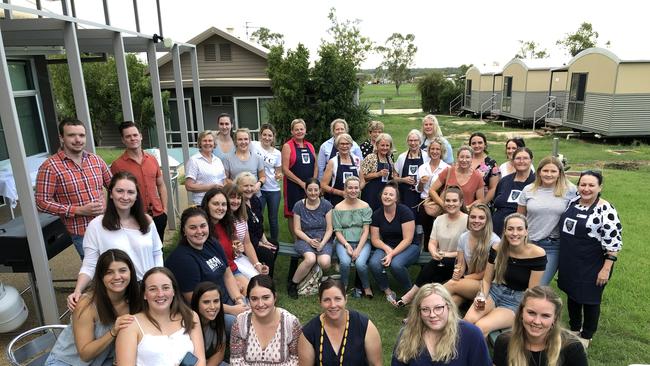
{"points": [[401, 303], [390, 297]]}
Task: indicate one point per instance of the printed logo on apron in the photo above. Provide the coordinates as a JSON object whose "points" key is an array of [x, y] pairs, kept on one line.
{"points": [[413, 169], [569, 226], [384, 178], [514, 196], [306, 158], [347, 175]]}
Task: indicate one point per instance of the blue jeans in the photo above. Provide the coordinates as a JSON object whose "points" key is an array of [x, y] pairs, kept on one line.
{"points": [[399, 266], [78, 242], [552, 248], [361, 263], [272, 198]]}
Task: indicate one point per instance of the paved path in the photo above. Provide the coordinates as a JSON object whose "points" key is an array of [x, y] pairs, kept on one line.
{"points": [[396, 111]]}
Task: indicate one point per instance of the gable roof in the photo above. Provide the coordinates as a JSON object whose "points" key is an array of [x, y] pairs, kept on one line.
{"points": [[212, 31]]}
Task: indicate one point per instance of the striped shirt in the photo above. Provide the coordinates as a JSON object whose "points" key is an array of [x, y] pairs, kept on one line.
{"points": [[241, 227], [62, 186]]}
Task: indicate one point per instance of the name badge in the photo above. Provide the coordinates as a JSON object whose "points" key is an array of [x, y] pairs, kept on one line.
{"points": [[581, 216]]}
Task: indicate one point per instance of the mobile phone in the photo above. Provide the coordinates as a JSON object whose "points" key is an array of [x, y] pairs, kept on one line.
{"points": [[189, 360]]}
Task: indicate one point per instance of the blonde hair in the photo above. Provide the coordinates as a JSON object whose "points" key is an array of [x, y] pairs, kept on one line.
{"points": [[416, 133], [386, 137], [411, 343], [501, 261], [562, 184], [437, 132], [297, 121], [343, 136], [375, 125], [243, 177], [443, 148], [337, 121], [482, 249], [203, 135], [243, 130], [465, 148]]}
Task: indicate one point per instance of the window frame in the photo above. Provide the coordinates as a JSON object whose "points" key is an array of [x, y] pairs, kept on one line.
{"points": [[575, 104], [506, 100], [254, 132]]}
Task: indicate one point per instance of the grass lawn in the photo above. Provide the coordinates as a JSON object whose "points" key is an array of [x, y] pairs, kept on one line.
{"points": [[624, 331], [408, 97]]}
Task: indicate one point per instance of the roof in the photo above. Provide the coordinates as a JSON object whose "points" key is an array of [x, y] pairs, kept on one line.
{"points": [[537, 64], [618, 57], [212, 31], [488, 69]]}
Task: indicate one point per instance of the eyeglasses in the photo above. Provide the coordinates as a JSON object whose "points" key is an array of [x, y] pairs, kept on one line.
{"points": [[437, 310]]}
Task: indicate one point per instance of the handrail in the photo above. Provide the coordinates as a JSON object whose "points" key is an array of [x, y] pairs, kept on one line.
{"points": [[456, 101], [489, 100], [550, 108]]}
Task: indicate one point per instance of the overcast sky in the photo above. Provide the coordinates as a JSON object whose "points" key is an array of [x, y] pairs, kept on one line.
{"points": [[447, 33]]}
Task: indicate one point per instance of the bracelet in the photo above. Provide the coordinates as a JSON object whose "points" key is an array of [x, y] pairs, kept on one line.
{"points": [[257, 264], [261, 182], [111, 333], [610, 257]]}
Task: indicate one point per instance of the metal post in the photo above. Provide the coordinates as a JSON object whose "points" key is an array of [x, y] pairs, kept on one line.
{"points": [[383, 101], [160, 129], [180, 103], [556, 148], [107, 16], [160, 27], [77, 81], [137, 17], [8, 12], [196, 87], [122, 76], [16, 149]]}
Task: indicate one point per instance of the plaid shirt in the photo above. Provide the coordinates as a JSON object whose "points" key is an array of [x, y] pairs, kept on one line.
{"points": [[62, 186]]}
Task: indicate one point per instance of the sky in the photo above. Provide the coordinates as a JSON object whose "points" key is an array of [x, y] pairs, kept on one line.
{"points": [[447, 33]]}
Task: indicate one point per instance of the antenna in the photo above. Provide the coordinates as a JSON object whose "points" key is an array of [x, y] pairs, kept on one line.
{"points": [[249, 27]]}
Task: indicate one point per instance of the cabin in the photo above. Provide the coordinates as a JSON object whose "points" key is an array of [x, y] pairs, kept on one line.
{"points": [[482, 89]]}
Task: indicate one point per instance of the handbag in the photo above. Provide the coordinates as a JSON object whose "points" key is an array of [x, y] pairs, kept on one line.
{"points": [[430, 206], [309, 285]]}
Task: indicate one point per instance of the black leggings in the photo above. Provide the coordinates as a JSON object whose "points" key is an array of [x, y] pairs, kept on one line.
{"points": [[432, 272], [591, 316], [267, 256], [427, 225]]}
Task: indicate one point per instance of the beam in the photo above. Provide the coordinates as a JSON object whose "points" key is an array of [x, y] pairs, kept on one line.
{"points": [[180, 103], [122, 77], [162, 135], [196, 87], [13, 137]]}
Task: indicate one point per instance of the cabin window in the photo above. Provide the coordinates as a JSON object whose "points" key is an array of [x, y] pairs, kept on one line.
{"points": [[468, 92], [506, 103], [210, 52], [219, 100], [225, 54], [576, 106], [251, 113]]}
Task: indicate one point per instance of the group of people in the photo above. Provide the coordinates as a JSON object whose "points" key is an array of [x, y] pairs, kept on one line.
{"points": [[495, 233]]}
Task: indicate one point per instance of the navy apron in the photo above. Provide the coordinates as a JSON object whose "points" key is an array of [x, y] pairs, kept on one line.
{"points": [[303, 169], [343, 171], [409, 196], [372, 191], [581, 257]]}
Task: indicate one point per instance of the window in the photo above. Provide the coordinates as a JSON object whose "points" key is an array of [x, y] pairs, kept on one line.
{"points": [[218, 100], [506, 102], [251, 112], [468, 92], [210, 52], [576, 107], [225, 54]]}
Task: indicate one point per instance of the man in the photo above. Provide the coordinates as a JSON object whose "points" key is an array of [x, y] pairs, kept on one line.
{"points": [[147, 172], [69, 183], [328, 150]]}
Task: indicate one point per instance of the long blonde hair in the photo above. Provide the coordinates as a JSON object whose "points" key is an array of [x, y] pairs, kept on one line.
{"points": [[517, 353], [411, 343], [437, 132], [482, 249], [561, 185], [501, 262]]}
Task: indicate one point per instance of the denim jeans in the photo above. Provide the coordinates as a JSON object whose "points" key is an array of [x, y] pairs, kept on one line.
{"points": [[78, 242], [272, 198], [399, 266], [552, 248], [361, 263]]}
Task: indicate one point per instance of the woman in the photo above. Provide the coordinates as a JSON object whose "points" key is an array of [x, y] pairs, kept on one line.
{"points": [[462, 175], [313, 229], [590, 240], [431, 130], [537, 337], [427, 174], [265, 334], [377, 170], [543, 202], [351, 221], [298, 165], [484, 164], [328, 148], [206, 302], [204, 170], [374, 129], [224, 143], [473, 248], [339, 168], [443, 244], [434, 334], [101, 314], [512, 144], [272, 159], [339, 336], [514, 265], [391, 233], [509, 187], [166, 329], [198, 257], [243, 160], [265, 250], [406, 171], [123, 226]]}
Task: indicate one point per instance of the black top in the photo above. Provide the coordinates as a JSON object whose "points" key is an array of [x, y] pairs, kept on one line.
{"points": [[255, 220], [518, 270], [571, 354], [391, 232], [506, 199], [355, 349]]}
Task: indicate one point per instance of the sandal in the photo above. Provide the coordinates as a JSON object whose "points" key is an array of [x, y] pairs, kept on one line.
{"points": [[401, 303], [390, 297], [368, 295]]}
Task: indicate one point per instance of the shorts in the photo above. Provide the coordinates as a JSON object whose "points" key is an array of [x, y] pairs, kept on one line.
{"points": [[505, 297]]}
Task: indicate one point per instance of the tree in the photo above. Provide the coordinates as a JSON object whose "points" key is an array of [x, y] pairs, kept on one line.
{"points": [[398, 53], [430, 88], [348, 39], [585, 37], [103, 93], [266, 38], [530, 50]]}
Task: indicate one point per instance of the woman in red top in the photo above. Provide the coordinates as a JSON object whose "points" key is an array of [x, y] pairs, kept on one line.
{"points": [[462, 175]]}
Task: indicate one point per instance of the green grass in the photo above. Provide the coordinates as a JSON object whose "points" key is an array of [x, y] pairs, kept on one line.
{"points": [[373, 94], [623, 336]]}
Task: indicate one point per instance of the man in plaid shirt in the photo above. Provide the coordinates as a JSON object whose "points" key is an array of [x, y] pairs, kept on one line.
{"points": [[69, 183]]}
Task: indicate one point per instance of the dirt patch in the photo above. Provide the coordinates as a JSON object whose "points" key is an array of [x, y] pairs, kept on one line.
{"points": [[511, 134], [470, 122], [623, 165], [620, 152]]}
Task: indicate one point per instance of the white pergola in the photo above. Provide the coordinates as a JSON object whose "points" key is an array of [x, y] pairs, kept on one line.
{"points": [[75, 36]]}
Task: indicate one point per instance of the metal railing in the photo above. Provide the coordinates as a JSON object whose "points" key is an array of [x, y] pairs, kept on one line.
{"points": [[491, 101], [550, 107], [455, 102]]}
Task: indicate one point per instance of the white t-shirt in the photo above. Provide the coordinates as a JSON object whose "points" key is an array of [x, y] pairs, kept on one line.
{"points": [[204, 172], [272, 160], [425, 171], [446, 232]]}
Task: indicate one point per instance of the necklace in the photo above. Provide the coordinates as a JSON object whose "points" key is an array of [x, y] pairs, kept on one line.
{"points": [[345, 339]]}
